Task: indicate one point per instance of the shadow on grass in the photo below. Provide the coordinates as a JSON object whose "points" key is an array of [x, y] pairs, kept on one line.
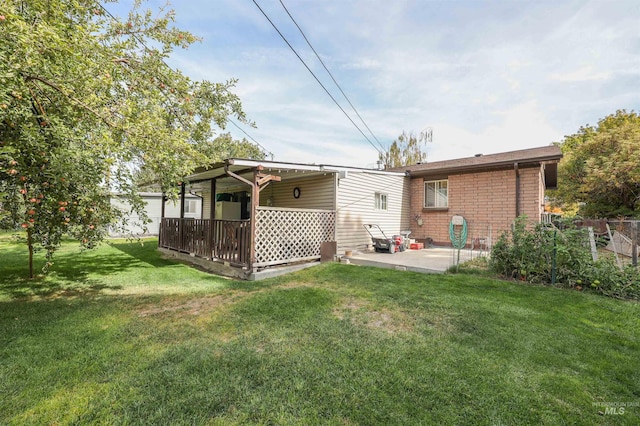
{"points": [[74, 273], [70, 277], [110, 267], [147, 252], [24, 288]]}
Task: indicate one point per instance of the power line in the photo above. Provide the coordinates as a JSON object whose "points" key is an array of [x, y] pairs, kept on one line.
{"points": [[314, 76], [330, 74], [250, 137], [167, 65]]}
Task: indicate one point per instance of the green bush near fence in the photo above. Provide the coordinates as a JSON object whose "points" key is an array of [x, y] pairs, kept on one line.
{"points": [[548, 255]]}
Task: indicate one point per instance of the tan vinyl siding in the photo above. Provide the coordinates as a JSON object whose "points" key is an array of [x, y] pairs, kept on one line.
{"points": [[315, 193], [356, 206]]}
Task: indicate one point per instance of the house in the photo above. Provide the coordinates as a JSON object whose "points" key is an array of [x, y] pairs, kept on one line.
{"points": [[154, 209], [489, 191], [258, 215]]}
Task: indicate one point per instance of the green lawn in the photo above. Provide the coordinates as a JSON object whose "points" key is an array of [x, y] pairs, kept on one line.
{"points": [[120, 336]]}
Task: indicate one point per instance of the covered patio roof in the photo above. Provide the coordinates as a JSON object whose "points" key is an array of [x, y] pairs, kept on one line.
{"points": [[245, 168]]}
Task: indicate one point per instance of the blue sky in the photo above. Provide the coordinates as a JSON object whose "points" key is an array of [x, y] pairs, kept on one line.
{"points": [[486, 76]]}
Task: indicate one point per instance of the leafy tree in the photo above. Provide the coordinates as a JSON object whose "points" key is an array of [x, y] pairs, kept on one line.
{"points": [[224, 146], [600, 169], [405, 150], [221, 148], [86, 100]]}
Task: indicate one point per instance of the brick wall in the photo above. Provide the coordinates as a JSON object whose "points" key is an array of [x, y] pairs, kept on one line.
{"points": [[486, 200]]}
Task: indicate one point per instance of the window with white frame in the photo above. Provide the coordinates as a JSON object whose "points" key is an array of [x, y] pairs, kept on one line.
{"points": [[381, 201], [436, 194], [190, 207]]}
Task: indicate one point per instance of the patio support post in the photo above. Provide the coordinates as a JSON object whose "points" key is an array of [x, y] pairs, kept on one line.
{"points": [[181, 223], [255, 202], [212, 209], [182, 195], [255, 199]]}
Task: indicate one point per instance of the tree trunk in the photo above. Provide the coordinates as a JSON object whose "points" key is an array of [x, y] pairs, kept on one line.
{"points": [[30, 245]]}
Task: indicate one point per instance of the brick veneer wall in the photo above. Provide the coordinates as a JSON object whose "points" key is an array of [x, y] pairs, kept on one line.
{"points": [[486, 198]]}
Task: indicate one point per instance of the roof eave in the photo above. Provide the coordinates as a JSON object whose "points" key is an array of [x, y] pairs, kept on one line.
{"points": [[501, 165]]}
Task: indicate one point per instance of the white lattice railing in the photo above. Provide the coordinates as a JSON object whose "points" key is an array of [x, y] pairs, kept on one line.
{"points": [[289, 235]]}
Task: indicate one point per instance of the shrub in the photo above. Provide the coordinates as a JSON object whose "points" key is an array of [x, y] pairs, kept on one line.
{"points": [[478, 266], [527, 253]]}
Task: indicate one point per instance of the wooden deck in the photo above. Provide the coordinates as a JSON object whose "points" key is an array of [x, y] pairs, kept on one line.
{"points": [[223, 240], [283, 236]]}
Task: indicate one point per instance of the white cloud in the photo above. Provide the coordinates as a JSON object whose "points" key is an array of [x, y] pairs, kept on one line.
{"points": [[363, 64], [586, 73], [523, 126], [488, 77]]}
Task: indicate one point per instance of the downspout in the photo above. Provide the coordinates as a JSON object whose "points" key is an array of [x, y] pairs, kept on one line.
{"points": [[336, 185], [515, 167], [409, 189]]}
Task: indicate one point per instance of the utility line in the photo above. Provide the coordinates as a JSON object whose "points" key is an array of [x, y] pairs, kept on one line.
{"points": [[314, 76], [250, 137], [330, 74], [171, 69]]}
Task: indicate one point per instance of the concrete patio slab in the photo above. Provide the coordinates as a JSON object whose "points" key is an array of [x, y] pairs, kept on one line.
{"points": [[434, 260]]}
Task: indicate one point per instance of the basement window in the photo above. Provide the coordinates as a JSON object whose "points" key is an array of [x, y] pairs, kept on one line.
{"points": [[436, 194]]}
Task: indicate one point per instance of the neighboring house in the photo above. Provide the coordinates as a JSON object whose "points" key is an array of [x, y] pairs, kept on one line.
{"points": [[258, 214], [153, 209], [261, 214], [489, 191]]}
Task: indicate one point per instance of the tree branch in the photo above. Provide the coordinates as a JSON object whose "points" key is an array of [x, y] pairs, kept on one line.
{"points": [[70, 97]]}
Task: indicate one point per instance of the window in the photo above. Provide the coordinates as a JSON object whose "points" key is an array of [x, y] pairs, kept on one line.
{"points": [[436, 194], [381, 201], [190, 206]]}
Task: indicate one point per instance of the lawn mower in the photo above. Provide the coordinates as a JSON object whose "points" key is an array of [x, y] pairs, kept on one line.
{"points": [[382, 243]]}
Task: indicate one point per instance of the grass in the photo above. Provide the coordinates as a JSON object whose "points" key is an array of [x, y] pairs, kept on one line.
{"points": [[120, 336]]}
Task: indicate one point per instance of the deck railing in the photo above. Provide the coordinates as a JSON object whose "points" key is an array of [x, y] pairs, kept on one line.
{"points": [[283, 235], [224, 240]]}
